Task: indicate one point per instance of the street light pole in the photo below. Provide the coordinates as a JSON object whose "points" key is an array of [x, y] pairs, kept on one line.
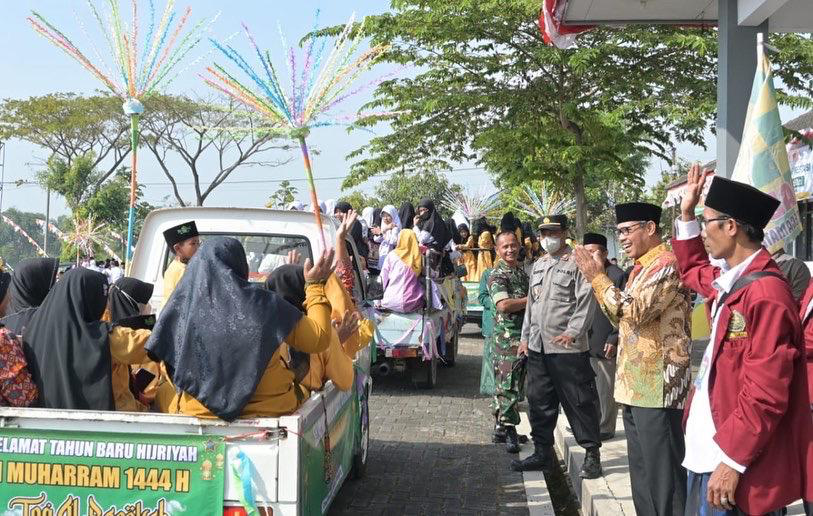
{"points": [[47, 218]]}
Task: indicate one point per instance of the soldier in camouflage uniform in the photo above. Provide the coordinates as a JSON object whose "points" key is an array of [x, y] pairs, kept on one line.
{"points": [[508, 287]]}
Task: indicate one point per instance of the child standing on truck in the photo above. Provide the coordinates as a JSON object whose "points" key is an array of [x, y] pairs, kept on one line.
{"points": [[183, 242]]}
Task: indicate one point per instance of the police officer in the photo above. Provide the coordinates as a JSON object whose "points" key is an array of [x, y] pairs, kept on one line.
{"points": [[508, 288], [554, 336]]}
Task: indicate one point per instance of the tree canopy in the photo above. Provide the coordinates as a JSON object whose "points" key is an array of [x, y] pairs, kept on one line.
{"points": [[71, 126], [489, 90], [200, 132]]}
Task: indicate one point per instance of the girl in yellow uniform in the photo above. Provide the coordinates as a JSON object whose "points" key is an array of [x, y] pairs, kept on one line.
{"points": [[73, 351], [336, 363], [220, 337]]}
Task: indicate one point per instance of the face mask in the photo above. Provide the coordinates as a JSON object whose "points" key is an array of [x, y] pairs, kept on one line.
{"points": [[551, 244]]}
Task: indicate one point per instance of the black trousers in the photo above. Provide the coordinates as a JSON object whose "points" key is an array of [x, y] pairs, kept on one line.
{"points": [[567, 379], [655, 450]]}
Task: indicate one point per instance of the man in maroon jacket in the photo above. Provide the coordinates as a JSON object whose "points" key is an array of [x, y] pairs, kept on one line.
{"points": [[749, 434]]}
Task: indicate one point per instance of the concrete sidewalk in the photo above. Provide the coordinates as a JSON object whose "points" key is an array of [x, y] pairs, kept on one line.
{"points": [[610, 494]]}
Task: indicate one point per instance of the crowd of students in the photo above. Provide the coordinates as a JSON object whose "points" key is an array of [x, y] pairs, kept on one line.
{"points": [[73, 342]]}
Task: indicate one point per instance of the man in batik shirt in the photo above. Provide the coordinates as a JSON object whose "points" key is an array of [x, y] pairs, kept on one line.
{"points": [[653, 372]]}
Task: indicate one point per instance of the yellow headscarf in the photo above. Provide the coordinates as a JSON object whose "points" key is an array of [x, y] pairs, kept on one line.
{"points": [[484, 260], [408, 251]]}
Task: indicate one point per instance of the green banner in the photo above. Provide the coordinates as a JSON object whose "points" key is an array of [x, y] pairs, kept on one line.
{"points": [[58, 473]]}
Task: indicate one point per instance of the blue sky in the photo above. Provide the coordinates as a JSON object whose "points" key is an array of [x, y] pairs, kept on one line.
{"points": [[32, 66]]}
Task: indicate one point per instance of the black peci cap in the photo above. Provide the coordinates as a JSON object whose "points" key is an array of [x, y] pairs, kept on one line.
{"points": [[637, 212], [741, 201], [180, 233], [595, 238]]}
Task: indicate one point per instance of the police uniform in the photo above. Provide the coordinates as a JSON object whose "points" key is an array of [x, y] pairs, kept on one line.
{"points": [[560, 302], [506, 282]]}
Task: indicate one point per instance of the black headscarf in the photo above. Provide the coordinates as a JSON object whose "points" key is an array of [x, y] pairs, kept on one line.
{"points": [[67, 345], [407, 215], [30, 283], [5, 281], [357, 233], [125, 296], [218, 332], [432, 223], [377, 218], [452, 225], [342, 206], [289, 282]]}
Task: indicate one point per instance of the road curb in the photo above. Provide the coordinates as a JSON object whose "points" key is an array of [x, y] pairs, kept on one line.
{"points": [[610, 494], [536, 489]]}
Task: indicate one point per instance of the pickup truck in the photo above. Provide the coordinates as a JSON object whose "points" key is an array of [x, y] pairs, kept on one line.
{"points": [[74, 463]]}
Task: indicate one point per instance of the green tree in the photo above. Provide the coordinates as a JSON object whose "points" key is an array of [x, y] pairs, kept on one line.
{"points": [[201, 133], [14, 247], [414, 186], [285, 194], [359, 200], [87, 196], [489, 90], [71, 126]]}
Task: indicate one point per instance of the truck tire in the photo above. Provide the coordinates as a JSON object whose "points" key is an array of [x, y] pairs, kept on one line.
{"points": [[425, 374], [450, 357], [359, 467]]}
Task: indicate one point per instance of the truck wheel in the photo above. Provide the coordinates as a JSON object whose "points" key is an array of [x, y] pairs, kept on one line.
{"points": [[451, 351], [359, 468], [425, 375]]}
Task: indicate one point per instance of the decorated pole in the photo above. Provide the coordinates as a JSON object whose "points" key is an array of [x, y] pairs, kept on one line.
{"points": [[311, 95], [134, 108], [314, 200], [134, 75]]}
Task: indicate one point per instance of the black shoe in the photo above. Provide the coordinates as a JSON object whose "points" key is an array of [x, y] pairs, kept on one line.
{"points": [[499, 435], [591, 468], [511, 439], [607, 436], [539, 461]]}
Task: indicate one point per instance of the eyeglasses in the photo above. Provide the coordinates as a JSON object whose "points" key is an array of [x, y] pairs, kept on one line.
{"points": [[630, 229], [705, 222]]}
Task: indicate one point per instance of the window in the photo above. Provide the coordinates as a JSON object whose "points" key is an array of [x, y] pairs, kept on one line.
{"points": [[264, 252]]}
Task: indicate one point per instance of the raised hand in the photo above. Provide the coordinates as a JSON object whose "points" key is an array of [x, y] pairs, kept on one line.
{"points": [[344, 228], [695, 181], [321, 270], [293, 257], [347, 326], [589, 265]]}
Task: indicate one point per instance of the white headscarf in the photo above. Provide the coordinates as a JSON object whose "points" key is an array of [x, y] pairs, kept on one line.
{"points": [[367, 216], [330, 206], [393, 213], [296, 206]]}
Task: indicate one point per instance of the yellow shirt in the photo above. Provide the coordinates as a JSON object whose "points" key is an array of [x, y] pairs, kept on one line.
{"points": [[276, 395], [340, 303], [127, 347], [172, 276], [333, 364]]}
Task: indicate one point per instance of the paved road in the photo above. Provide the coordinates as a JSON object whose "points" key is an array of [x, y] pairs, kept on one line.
{"points": [[431, 451]]}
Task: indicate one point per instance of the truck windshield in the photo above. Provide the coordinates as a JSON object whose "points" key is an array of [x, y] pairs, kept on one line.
{"points": [[264, 252]]}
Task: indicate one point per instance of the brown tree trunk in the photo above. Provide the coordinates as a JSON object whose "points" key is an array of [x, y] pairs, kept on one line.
{"points": [[581, 204]]}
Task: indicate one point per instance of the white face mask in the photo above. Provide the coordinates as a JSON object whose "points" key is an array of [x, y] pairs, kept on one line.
{"points": [[551, 244]]}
